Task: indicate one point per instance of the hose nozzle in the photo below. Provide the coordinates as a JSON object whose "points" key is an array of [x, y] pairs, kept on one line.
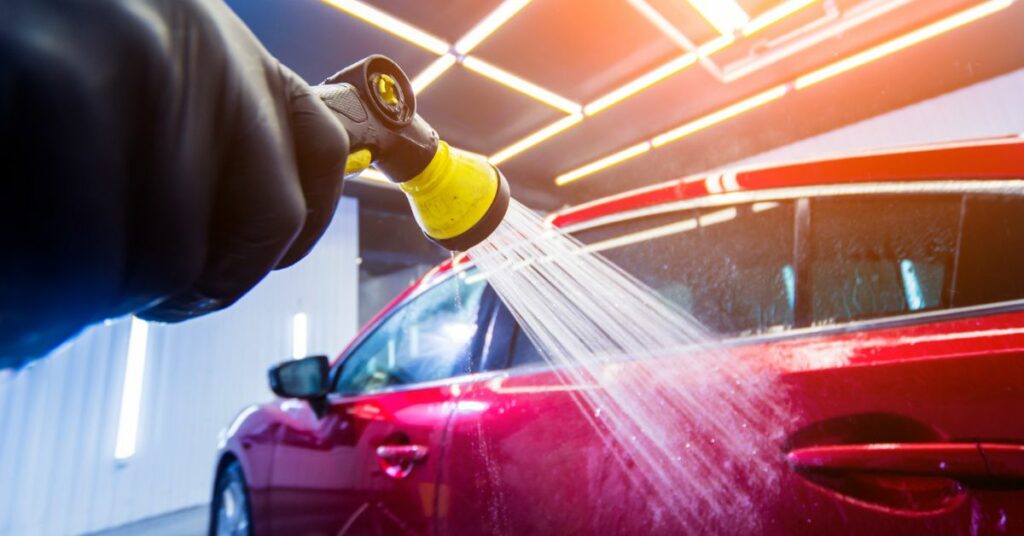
{"points": [[457, 197]]}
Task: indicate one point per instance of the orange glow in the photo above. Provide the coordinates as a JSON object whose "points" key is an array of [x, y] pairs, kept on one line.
{"points": [[603, 163], [489, 25], [390, 24], [725, 15], [529, 89], [432, 72], [721, 115], [641, 83], [775, 14], [535, 138], [912, 38]]}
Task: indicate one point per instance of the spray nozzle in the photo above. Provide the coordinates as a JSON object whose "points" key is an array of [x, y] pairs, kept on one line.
{"points": [[457, 197]]}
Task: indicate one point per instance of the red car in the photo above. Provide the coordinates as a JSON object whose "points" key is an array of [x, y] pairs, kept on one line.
{"points": [[886, 290]]}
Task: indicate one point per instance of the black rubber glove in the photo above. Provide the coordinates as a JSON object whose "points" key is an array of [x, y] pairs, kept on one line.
{"points": [[156, 159]]}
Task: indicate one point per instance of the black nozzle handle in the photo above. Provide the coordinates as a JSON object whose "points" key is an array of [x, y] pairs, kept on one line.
{"points": [[401, 142]]}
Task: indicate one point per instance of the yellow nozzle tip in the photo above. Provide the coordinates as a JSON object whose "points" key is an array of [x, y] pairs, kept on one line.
{"points": [[458, 199]]}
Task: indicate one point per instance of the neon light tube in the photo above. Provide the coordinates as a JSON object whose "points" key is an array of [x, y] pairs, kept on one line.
{"points": [[598, 165], [529, 89], [131, 392], [392, 25], [725, 15], [902, 42]]}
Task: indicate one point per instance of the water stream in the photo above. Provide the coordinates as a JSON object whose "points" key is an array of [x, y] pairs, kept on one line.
{"points": [[700, 426]]}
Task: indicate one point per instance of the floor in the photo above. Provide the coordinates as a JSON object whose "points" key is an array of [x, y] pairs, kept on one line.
{"points": [[187, 522]]}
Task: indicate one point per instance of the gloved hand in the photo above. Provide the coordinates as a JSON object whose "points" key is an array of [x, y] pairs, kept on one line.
{"points": [[156, 159]]}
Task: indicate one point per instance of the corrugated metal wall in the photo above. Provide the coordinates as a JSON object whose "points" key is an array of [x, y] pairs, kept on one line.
{"points": [[59, 417]]}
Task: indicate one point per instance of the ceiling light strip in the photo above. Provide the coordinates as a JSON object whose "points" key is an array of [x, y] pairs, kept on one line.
{"points": [[721, 115], [606, 162], [725, 15], [489, 25], [392, 25], [669, 30], [476, 35], [673, 135], [960, 19], [374, 175], [858, 15], [932, 30], [527, 88], [774, 15], [432, 72], [641, 83], [535, 138]]}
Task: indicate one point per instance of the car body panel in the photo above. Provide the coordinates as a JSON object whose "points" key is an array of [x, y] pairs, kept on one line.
{"points": [[511, 452], [328, 479], [533, 462]]}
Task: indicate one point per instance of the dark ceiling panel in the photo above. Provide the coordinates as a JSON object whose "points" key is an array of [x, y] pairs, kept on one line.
{"points": [[447, 19], [580, 49], [478, 114], [315, 39]]}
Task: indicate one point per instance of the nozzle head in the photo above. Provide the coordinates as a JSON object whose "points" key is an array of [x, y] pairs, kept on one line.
{"points": [[459, 199]]}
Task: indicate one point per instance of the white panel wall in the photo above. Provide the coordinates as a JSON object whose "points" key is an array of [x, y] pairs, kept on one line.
{"points": [[994, 107], [58, 417]]}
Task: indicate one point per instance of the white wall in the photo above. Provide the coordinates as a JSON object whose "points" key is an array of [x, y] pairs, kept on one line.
{"points": [[994, 107], [58, 417]]}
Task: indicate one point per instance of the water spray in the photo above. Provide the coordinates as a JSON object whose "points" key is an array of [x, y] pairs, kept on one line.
{"points": [[457, 197]]}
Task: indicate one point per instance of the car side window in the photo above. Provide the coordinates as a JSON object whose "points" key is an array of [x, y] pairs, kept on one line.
{"points": [[524, 352], [729, 267], [428, 338], [878, 256], [991, 253]]}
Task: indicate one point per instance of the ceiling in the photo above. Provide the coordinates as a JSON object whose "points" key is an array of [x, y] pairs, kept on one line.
{"points": [[576, 99]]}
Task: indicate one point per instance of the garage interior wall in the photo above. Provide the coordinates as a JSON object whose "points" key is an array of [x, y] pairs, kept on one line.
{"points": [[986, 109], [59, 417]]}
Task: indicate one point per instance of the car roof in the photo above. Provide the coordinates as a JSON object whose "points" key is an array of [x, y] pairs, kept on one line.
{"points": [[989, 158]]}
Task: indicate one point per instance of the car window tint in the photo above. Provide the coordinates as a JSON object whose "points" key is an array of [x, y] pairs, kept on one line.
{"points": [[991, 260], [878, 256], [426, 339], [731, 268], [524, 352]]}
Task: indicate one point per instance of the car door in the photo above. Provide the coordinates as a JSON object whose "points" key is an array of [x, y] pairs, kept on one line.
{"points": [[366, 462], [908, 384], [895, 325], [538, 459]]}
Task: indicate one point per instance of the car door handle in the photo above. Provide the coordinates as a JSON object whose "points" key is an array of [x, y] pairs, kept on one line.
{"points": [[400, 453], [397, 460], [951, 460]]}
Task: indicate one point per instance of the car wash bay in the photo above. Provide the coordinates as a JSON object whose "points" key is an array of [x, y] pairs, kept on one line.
{"points": [[118, 430]]}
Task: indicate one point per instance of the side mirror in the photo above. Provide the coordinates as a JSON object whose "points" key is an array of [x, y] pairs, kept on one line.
{"points": [[304, 378]]}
